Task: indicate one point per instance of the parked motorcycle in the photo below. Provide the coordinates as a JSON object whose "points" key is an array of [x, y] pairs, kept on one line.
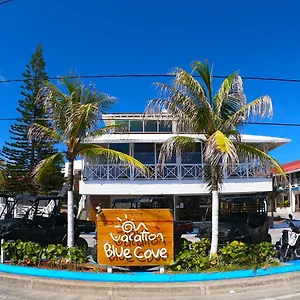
{"points": [[288, 247]]}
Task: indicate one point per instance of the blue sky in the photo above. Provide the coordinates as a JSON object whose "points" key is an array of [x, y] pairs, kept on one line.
{"points": [[258, 38]]}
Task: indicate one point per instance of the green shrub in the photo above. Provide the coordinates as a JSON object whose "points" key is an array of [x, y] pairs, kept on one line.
{"points": [[194, 256], [262, 253], [78, 255], [30, 253], [234, 255], [55, 254]]}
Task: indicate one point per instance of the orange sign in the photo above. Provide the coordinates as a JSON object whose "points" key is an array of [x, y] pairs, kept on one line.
{"points": [[135, 237]]}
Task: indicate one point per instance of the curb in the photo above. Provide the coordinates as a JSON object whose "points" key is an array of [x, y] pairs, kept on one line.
{"points": [[148, 277], [140, 290]]}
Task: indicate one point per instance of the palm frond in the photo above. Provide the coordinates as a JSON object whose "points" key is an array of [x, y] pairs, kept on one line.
{"points": [[186, 104], [43, 133], [180, 143], [108, 129], [192, 88], [205, 73], [82, 119], [218, 148], [230, 96], [253, 153], [261, 107], [45, 165], [93, 152]]}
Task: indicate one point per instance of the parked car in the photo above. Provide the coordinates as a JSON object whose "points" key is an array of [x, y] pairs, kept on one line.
{"points": [[44, 224], [241, 218]]}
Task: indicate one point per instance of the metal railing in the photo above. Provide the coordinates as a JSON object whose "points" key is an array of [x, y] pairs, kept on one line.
{"points": [[169, 172]]}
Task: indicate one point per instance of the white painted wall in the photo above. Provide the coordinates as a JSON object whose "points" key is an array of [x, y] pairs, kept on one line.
{"points": [[172, 187]]}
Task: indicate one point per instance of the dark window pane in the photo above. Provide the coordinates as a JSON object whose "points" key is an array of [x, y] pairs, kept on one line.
{"points": [[121, 147], [144, 153], [136, 126], [150, 126], [171, 160], [165, 126], [123, 125], [192, 157]]}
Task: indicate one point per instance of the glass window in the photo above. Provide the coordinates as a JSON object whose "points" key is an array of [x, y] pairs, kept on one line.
{"points": [[123, 125], [144, 152], [121, 147], [150, 126], [192, 157], [100, 159], [171, 160], [165, 126], [136, 126]]}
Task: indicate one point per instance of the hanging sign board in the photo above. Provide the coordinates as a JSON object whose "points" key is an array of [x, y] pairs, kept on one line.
{"points": [[135, 237]]}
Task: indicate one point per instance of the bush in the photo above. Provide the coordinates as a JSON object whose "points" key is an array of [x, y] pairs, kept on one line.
{"points": [[30, 253], [234, 255], [194, 256]]}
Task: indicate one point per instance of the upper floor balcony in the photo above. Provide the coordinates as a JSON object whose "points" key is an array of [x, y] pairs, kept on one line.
{"points": [[182, 174], [107, 172]]}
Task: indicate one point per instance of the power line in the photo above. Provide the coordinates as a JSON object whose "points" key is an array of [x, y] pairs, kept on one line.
{"points": [[110, 119], [277, 79]]}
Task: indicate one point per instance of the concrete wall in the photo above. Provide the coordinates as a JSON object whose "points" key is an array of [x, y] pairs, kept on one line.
{"points": [[170, 187]]}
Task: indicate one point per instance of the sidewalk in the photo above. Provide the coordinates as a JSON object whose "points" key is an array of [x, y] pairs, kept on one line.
{"points": [[141, 290]]}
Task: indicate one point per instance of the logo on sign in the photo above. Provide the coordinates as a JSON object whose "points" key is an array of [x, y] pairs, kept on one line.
{"points": [[134, 241]]}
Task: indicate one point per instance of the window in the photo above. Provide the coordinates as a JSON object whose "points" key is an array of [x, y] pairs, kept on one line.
{"points": [[165, 126], [193, 156], [136, 126], [150, 126], [124, 125], [144, 153], [121, 147], [171, 160]]}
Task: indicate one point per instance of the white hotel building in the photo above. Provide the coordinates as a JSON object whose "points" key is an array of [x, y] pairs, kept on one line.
{"points": [[180, 179]]}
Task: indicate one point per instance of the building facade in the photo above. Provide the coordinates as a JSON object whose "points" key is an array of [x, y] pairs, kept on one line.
{"points": [[287, 199], [180, 178]]}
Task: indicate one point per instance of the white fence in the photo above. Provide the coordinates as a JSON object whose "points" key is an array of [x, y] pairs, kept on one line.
{"points": [[170, 172]]}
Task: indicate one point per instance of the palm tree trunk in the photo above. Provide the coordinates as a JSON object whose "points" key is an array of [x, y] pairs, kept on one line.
{"points": [[70, 236], [214, 214]]}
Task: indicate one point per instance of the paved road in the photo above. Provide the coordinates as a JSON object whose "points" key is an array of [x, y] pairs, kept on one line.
{"points": [[289, 292]]}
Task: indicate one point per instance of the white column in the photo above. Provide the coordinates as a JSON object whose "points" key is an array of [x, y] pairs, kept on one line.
{"points": [[174, 207], [291, 195]]}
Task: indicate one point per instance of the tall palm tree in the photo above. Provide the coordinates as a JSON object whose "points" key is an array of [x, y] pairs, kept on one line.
{"points": [[74, 118], [212, 120]]}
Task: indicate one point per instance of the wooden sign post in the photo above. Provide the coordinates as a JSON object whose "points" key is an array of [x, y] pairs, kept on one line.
{"points": [[135, 237]]}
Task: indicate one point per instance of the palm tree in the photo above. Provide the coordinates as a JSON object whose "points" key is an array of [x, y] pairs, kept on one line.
{"points": [[212, 120], [74, 118]]}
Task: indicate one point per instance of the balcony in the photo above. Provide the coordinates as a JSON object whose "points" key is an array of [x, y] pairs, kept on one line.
{"points": [[106, 172]]}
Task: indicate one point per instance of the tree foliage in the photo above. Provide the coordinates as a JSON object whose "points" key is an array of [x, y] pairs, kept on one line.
{"points": [[20, 153], [214, 121], [75, 113]]}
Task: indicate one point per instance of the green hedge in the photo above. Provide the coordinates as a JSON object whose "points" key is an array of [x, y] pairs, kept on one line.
{"points": [[30, 253], [234, 255]]}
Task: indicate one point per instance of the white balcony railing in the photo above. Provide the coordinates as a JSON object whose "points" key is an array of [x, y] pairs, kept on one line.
{"points": [[170, 172]]}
